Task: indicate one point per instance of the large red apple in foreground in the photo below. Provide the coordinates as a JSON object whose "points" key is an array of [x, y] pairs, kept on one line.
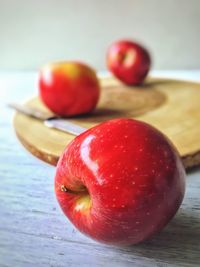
{"points": [[128, 61], [120, 182], [68, 88]]}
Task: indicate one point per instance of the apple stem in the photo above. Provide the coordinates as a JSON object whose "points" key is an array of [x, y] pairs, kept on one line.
{"points": [[67, 190]]}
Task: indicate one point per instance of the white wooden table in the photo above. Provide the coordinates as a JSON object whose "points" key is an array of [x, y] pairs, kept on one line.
{"points": [[33, 230]]}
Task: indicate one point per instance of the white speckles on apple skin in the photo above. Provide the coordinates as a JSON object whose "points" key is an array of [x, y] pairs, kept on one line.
{"points": [[125, 227]]}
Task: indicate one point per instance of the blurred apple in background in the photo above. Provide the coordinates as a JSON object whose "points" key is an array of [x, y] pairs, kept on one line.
{"points": [[69, 88], [128, 61], [120, 181]]}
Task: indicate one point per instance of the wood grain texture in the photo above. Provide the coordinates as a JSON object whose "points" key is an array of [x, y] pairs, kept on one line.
{"points": [[34, 231], [171, 106]]}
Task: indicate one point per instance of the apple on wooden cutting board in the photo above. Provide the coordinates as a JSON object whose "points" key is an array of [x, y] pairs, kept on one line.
{"points": [[128, 61], [68, 88]]}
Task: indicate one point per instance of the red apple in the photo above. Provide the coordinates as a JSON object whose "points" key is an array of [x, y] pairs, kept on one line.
{"points": [[69, 88], [120, 181], [128, 61]]}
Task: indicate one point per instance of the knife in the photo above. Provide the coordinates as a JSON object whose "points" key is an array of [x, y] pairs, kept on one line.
{"points": [[51, 122]]}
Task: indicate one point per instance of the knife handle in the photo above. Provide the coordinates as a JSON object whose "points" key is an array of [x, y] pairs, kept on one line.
{"points": [[64, 126]]}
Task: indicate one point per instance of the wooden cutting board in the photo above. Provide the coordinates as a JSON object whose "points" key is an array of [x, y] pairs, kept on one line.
{"points": [[171, 106]]}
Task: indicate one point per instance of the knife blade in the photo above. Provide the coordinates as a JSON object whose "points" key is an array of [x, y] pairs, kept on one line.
{"points": [[51, 122]]}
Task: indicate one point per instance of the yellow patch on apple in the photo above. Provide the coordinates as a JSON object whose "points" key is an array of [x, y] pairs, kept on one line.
{"points": [[83, 203]]}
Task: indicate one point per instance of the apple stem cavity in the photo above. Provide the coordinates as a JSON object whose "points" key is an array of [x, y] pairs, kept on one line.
{"points": [[83, 202]]}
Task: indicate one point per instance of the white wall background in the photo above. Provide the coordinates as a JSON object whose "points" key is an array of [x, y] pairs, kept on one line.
{"points": [[33, 32]]}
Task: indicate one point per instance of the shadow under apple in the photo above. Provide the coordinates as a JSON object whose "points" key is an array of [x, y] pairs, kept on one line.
{"points": [[122, 101], [178, 242]]}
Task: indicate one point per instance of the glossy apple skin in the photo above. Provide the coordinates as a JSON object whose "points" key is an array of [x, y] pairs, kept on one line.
{"points": [[133, 175], [68, 88], [128, 61]]}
